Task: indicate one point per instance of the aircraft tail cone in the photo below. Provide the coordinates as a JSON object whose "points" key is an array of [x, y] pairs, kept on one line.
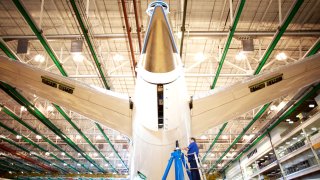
{"points": [[159, 47]]}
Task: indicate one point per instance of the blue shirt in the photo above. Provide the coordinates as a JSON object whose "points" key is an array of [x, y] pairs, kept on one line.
{"points": [[192, 148]]}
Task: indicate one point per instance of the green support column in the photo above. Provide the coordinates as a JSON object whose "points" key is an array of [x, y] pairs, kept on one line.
{"points": [[229, 39], [35, 112], [214, 141], [109, 142], [278, 35], [235, 141], [85, 33], [83, 136], [38, 32]]}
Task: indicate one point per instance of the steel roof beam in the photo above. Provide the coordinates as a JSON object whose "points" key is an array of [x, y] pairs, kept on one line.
{"points": [[314, 49], [17, 164], [229, 39], [230, 36], [183, 27], [111, 145], [83, 135], [15, 117], [7, 50], [26, 158], [34, 154], [36, 113], [277, 122], [4, 167], [294, 9], [235, 141], [214, 141], [29, 141], [85, 32], [38, 32], [128, 29], [136, 17], [292, 12], [191, 34]]}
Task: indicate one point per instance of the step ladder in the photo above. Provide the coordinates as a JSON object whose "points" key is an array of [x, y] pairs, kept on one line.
{"points": [[200, 168]]}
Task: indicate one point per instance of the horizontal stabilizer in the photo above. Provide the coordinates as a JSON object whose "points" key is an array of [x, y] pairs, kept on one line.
{"points": [[221, 105], [104, 106]]}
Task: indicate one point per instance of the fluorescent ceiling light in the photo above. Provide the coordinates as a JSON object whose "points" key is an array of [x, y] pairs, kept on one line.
{"points": [[77, 57], [39, 58], [241, 56], [199, 57], [281, 56]]}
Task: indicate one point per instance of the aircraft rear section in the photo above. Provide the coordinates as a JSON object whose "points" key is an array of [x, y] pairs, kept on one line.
{"points": [[160, 118]]}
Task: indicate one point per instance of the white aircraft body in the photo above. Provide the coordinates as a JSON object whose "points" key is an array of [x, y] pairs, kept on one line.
{"points": [[161, 111]]}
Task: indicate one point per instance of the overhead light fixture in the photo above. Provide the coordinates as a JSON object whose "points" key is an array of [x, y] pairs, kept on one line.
{"points": [[58, 137], [179, 34], [65, 164], [111, 154], [212, 155], [241, 56], [273, 107], [199, 57], [281, 105], [270, 152], [79, 154], [119, 165], [294, 138], [22, 109], [119, 137], [77, 57], [95, 154], [47, 153], [78, 164], [313, 128], [49, 108], [98, 137], [106, 165], [118, 57], [281, 56], [290, 122], [311, 105], [78, 137], [38, 137], [91, 165], [18, 137], [63, 154], [39, 58], [203, 137]]}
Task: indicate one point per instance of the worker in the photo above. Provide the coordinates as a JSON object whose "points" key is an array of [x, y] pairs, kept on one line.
{"points": [[192, 150]]}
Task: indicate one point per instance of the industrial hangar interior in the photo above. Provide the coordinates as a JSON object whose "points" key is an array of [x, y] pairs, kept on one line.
{"points": [[99, 42]]}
